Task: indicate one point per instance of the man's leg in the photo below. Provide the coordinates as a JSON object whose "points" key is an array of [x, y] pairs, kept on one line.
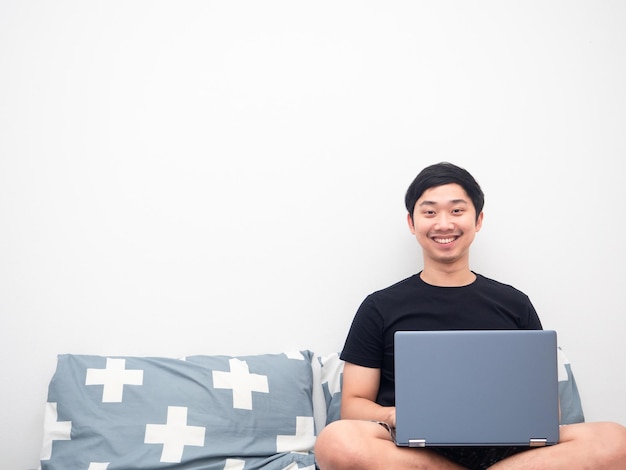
{"points": [[592, 446], [364, 445]]}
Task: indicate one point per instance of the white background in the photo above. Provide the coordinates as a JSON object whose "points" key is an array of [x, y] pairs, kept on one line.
{"points": [[228, 177]]}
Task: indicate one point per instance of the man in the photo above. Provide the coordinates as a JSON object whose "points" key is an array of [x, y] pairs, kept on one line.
{"points": [[444, 205]]}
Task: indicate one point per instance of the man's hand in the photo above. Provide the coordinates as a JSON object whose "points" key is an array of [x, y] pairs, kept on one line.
{"points": [[391, 420]]}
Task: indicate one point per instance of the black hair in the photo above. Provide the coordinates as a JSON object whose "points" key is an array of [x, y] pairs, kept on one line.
{"points": [[438, 175]]}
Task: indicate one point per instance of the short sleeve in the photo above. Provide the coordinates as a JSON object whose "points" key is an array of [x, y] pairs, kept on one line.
{"points": [[364, 343]]}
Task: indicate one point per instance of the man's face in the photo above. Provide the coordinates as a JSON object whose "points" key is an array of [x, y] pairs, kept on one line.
{"points": [[444, 224]]}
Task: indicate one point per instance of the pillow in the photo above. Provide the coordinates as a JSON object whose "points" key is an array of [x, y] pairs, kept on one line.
{"points": [[319, 402], [209, 412], [571, 408], [569, 399], [332, 378]]}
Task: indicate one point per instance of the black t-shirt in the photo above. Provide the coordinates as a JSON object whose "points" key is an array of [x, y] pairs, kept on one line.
{"points": [[412, 304]]}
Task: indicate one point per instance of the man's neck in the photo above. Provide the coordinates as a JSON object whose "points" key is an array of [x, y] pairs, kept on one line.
{"points": [[448, 277]]}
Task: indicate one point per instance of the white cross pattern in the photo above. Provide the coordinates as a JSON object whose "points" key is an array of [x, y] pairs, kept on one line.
{"points": [[98, 466], [54, 430], [114, 377], [296, 355], [234, 464], [242, 383], [332, 370], [174, 435], [294, 466], [304, 439]]}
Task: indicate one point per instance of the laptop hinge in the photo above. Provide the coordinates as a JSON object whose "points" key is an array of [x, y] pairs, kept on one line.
{"points": [[417, 442], [538, 442]]}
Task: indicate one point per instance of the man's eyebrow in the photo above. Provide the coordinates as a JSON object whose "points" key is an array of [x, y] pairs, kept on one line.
{"points": [[452, 201]]}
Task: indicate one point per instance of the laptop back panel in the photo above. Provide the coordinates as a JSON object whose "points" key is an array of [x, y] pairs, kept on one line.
{"points": [[476, 388]]}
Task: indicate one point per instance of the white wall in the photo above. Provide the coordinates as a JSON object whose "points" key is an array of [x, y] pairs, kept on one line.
{"points": [[202, 177]]}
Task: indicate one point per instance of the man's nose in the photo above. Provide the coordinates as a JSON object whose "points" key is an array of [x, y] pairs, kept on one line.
{"points": [[444, 222]]}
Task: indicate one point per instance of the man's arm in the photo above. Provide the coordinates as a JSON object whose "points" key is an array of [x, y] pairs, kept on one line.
{"points": [[358, 395]]}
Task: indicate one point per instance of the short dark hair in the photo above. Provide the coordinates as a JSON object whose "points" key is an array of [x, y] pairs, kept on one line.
{"points": [[438, 175]]}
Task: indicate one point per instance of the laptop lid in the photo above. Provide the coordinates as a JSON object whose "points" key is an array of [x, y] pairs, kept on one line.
{"points": [[476, 388]]}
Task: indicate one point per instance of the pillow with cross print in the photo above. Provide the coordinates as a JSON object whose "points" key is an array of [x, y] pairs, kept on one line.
{"points": [[209, 412]]}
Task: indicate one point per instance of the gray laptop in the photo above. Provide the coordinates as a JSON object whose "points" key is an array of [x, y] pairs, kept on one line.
{"points": [[476, 388]]}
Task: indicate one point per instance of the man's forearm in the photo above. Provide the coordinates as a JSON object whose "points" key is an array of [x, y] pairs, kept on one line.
{"points": [[362, 408]]}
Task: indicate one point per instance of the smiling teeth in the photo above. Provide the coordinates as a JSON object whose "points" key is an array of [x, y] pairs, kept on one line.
{"points": [[444, 240]]}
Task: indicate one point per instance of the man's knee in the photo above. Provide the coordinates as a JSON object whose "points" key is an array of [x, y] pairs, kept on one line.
{"points": [[602, 431], [326, 442], [605, 440], [343, 444], [612, 441]]}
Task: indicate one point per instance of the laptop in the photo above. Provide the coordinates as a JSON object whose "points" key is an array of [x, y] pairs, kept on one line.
{"points": [[476, 388]]}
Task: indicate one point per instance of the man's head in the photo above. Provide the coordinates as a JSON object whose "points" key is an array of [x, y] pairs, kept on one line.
{"points": [[440, 174], [445, 212]]}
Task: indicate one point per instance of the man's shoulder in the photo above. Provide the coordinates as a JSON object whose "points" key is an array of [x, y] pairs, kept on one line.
{"points": [[394, 294], [497, 286], [408, 283]]}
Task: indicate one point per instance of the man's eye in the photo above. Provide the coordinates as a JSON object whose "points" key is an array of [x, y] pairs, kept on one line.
{"points": [[458, 211]]}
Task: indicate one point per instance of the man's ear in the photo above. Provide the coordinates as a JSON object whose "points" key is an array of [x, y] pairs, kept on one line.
{"points": [[479, 221], [409, 220]]}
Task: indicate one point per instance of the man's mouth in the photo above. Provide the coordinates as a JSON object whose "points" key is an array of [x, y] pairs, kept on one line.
{"points": [[444, 240]]}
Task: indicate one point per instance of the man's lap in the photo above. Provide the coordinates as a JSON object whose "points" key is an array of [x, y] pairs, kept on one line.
{"points": [[474, 458]]}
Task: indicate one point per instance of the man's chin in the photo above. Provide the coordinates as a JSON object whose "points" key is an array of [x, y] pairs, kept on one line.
{"points": [[446, 258]]}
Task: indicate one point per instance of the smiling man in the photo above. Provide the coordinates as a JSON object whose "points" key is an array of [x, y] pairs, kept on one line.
{"points": [[445, 212], [445, 221]]}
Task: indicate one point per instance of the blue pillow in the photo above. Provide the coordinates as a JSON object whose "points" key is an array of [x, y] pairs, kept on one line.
{"points": [[569, 398], [332, 380], [205, 412]]}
